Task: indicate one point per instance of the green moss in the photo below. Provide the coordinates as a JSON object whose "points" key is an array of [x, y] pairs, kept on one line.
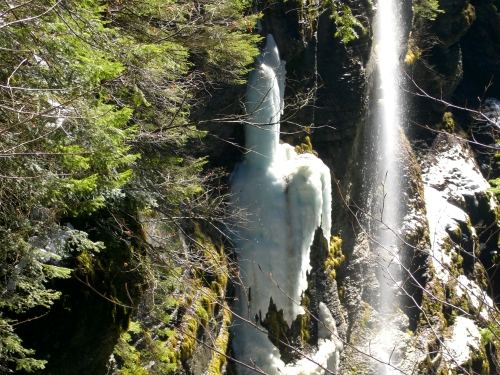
{"points": [[133, 360], [448, 122], [335, 257], [479, 363], [341, 291], [361, 324], [205, 305], [456, 305], [481, 276], [412, 55], [413, 52], [356, 370], [456, 265], [469, 13], [305, 147], [304, 321], [207, 288], [169, 343], [365, 315], [221, 343], [432, 307], [214, 271], [189, 331], [85, 262], [490, 334], [202, 314], [200, 310]]}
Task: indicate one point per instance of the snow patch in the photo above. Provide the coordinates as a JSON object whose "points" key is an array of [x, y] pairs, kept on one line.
{"points": [[443, 217], [465, 338], [450, 175], [479, 300]]}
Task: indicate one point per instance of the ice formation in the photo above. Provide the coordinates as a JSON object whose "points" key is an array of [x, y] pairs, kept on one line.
{"points": [[286, 197]]}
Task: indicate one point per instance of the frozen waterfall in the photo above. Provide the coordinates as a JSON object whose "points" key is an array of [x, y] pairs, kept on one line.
{"points": [[286, 197]]}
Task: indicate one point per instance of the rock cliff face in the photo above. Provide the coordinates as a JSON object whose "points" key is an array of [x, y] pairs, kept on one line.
{"points": [[449, 234], [455, 191]]}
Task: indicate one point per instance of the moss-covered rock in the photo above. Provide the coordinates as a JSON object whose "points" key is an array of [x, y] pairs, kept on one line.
{"points": [[173, 329], [335, 257]]}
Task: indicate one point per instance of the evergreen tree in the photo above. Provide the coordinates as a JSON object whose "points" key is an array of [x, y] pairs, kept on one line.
{"points": [[95, 99]]}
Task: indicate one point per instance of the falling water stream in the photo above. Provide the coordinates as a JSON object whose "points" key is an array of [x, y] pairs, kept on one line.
{"points": [[387, 122]]}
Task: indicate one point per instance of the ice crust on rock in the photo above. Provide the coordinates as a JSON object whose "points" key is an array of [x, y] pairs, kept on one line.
{"points": [[286, 197]]}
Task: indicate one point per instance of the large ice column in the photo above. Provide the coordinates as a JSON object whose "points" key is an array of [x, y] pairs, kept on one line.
{"points": [[264, 105], [286, 197]]}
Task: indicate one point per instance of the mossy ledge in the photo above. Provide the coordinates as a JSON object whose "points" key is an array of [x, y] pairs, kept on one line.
{"points": [[173, 335]]}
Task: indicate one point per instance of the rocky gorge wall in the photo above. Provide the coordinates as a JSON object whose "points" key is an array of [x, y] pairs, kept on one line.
{"points": [[444, 324]]}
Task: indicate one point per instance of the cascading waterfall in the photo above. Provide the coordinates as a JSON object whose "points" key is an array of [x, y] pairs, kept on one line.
{"points": [[386, 215], [286, 198]]}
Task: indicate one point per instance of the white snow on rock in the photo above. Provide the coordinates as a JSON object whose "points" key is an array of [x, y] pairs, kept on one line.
{"points": [[464, 340], [442, 217], [479, 300], [450, 174]]}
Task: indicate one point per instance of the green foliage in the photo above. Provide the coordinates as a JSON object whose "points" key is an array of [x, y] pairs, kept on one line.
{"points": [[348, 27], [27, 266], [305, 147], [490, 334], [426, 9], [309, 12], [94, 117], [11, 347], [335, 257], [448, 122]]}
